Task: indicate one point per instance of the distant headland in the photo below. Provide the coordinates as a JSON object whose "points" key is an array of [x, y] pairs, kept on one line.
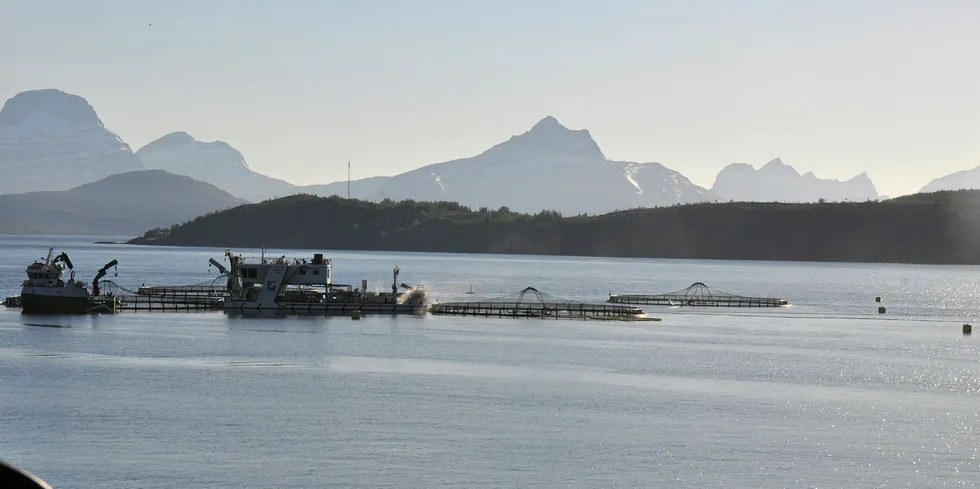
{"points": [[935, 228]]}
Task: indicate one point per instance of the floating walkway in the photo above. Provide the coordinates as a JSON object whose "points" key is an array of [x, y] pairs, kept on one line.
{"points": [[698, 295], [530, 303], [136, 302], [328, 309], [111, 303], [200, 297], [182, 290]]}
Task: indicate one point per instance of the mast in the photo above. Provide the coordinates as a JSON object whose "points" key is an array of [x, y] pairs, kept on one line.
{"points": [[348, 179]]}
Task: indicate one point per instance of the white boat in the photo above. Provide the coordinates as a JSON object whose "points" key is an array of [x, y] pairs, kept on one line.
{"points": [[301, 285], [46, 292]]}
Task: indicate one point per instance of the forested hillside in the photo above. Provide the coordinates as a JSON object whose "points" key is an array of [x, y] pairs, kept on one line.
{"points": [[943, 227]]}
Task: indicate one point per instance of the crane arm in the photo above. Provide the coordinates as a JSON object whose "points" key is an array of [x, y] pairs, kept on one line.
{"points": [[63, 257], [221, 268], [101, 273]]}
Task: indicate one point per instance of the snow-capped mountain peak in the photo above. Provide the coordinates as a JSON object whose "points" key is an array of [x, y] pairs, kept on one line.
{"points": [[548, 167]]}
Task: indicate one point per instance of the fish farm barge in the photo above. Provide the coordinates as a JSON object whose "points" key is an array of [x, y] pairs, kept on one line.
{"points": [[530, 303], [698, 295]]}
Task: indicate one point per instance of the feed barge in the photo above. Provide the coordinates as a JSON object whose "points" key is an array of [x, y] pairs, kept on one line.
{"points": [[698, 295], [290, 285], [531, 303]]}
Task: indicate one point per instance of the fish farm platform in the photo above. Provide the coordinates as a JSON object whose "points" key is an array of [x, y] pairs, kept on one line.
{"points": [[698, 295], [111, 304], [182, 290], [329, 309], [166, 297], [137, 302], [530, 303]]}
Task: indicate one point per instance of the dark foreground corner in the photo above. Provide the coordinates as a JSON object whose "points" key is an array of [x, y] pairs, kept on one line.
{"points": [[12, 477]]}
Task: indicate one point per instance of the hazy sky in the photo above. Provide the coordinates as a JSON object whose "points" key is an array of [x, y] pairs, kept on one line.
{"points": [[300, 87]]}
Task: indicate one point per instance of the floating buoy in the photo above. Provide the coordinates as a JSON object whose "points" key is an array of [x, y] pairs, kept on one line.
{"points": [[881, 310], [877, 299], [967, 329], [355, 315]]}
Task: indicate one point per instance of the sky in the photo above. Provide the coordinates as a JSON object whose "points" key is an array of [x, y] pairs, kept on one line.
{"points": [[891, 88]]}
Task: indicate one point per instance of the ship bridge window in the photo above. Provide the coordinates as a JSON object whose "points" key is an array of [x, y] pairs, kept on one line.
{"points": [[249, 272]]}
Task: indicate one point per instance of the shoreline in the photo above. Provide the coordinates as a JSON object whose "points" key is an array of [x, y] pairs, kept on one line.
{"points": [[560, 255]]}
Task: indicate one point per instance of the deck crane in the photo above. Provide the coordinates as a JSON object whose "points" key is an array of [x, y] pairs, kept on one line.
{"points": [[63, 257], [221, 268], [101, 273]]}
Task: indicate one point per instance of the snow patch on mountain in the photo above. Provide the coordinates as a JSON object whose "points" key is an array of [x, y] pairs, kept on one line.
{"points": [[630, 174], [438, 181]]}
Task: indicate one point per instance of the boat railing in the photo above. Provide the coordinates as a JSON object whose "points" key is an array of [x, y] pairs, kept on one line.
{"points": [[252, 260]]}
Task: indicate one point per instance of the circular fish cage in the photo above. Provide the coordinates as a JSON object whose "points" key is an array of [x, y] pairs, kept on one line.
{"points": [[698, 295], [532, 303]]}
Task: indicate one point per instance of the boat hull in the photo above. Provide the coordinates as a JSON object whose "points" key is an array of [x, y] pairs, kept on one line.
{"points": [[54, 304]]}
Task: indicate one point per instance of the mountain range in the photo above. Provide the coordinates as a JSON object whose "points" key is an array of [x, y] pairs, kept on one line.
{"points": [[54, 141], [214, 162], [123, 204], [966, 179], [548, 167], [779, 182]]}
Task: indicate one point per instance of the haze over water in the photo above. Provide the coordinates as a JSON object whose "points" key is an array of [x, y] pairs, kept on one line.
{"points": [[825, 393]]}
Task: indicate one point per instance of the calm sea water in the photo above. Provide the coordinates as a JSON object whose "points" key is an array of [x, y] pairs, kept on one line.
{"points": [[825, 393]]}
